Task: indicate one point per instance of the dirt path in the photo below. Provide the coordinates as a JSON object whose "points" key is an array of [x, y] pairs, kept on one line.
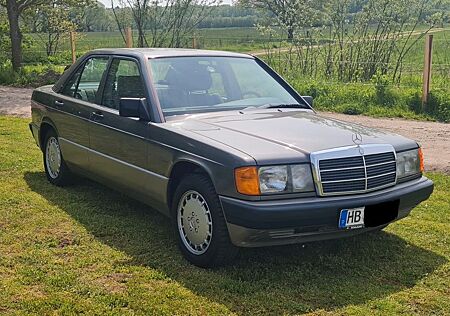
{"points": [[434, 137], [15, 101]]}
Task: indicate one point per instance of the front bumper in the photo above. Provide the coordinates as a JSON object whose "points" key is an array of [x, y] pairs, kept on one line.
{"points": [[265, 223]]}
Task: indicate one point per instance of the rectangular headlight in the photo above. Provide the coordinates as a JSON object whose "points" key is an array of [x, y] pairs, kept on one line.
{"points": [[302, 180], [273, 179], [408, 163], [285, 179]]}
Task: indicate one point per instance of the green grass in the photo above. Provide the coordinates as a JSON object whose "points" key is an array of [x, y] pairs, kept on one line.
{"points": [[441, 46], [86, 248], [374, 99]]}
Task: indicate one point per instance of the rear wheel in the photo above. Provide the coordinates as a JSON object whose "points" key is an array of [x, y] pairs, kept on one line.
{"points": [[199, 223], [55, 168]]}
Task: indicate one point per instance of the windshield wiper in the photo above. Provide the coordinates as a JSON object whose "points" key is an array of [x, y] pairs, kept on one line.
{"points": [[278, 106], [281, 106]]}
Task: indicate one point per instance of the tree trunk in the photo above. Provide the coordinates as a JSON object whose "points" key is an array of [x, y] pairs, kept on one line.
{"points": [[15, 34], [290, 32]]}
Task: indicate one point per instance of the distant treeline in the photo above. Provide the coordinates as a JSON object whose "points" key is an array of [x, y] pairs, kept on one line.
{"points": [[232, 16], [101, 18]]}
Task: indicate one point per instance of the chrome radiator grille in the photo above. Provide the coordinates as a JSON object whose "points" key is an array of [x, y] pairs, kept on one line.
{"points": [[356, 169]]}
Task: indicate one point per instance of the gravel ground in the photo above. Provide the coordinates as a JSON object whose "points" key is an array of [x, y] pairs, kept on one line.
{"points": [[434, 137], [15, 101]]}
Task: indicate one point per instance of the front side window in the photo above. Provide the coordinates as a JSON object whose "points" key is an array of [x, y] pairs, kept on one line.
{"points": [[91, 77], [202, 84], [123, 81]]}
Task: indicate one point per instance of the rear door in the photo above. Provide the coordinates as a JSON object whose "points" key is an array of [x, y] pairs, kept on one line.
{"points": [[73, 110], [118, 144]]}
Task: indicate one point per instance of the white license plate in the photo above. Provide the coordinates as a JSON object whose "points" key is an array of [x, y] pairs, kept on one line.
{"points": [[352, 218]]}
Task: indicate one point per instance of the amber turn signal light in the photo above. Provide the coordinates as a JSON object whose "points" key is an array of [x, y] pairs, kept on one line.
{"points": [[247, 180], [422, 167]]}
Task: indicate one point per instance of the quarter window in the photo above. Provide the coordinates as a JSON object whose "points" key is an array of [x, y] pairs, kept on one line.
{"points": [[71, 85], [123, 81]]}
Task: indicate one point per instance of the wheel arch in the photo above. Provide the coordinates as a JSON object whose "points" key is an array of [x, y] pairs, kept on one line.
{"points": [[45, 127], [179, 170]]}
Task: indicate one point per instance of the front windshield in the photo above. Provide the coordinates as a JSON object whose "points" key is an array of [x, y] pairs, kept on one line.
{"points": [[204, 84]]}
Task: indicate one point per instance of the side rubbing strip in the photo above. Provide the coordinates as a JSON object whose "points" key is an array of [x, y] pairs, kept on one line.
{"points": [[114, 159]]}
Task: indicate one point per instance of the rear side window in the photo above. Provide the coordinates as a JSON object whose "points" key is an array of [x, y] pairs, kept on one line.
{"points": [[123, 81], [90, 79]]}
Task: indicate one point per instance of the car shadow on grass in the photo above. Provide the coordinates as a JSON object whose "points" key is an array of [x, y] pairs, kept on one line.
{"points": [[276, 280]]}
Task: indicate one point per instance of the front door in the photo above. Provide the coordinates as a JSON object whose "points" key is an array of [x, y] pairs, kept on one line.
{"points": [[118, 144]]}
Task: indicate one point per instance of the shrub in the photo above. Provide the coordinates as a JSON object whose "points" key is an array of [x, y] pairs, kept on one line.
{"points": [[383, 93], [34, 76], [7, 75], [378, 99], [351, 109], [415, 103], [438, 105], [34, 56]]}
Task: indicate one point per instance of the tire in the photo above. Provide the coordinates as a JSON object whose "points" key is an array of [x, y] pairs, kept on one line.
{"points": [[55, 167], [196, 202]]}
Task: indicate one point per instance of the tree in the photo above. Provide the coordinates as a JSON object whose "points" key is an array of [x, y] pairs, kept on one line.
{"points": [[378, 37], [51, 20], [14, 9], [54, 18], [289, 14], [365, 42], [93, 18], [4, 37], [167, 21]]}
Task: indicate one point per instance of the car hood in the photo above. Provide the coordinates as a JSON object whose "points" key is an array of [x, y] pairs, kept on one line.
{"points": [[277, 136]]}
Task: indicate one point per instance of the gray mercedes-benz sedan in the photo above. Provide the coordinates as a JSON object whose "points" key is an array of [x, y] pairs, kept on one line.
{"points": [[225, 147]]}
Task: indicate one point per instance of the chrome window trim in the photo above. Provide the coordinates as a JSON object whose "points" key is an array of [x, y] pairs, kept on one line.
{"points": [[347, 152]]}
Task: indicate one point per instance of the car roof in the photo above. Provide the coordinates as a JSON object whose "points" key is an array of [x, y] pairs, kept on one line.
{"points": [[167, 52]]}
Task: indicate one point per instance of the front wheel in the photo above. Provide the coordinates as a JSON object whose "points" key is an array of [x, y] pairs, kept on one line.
{"points": [[55, 168], [199, 223]]}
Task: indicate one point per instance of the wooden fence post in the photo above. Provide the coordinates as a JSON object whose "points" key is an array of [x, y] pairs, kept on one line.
{"points": [[427, 69], [128, 37], [72, 47]]}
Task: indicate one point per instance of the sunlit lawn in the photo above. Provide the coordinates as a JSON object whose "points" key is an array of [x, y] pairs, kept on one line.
{"points": [[89, 249]]}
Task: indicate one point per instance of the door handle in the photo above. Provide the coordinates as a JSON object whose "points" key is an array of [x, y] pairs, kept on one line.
{"points": [[97, 115], [59, 103]]}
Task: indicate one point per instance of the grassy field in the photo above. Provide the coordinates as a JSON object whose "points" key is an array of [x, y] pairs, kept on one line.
{"points": [[88, 249], [441, 56], [241, 39]]}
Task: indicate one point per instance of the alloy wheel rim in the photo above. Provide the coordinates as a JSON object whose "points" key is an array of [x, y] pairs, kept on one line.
{"points": [[194, 222], [53, 157]]}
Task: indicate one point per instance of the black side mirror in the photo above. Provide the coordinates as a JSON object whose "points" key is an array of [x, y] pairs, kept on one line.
{"points": [[133, 107], [309, 99]]}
